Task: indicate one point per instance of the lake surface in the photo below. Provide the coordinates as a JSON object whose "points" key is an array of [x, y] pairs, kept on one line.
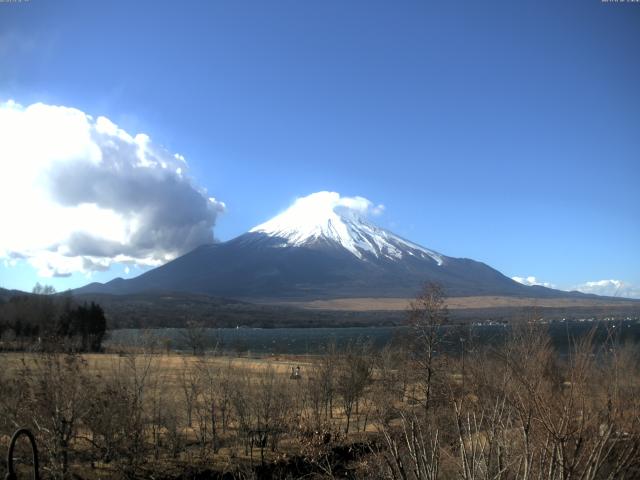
{"points": [[261, 341]]}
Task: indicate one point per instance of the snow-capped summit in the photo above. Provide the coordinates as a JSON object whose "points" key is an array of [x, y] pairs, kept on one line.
{"points": [[327, 217]]}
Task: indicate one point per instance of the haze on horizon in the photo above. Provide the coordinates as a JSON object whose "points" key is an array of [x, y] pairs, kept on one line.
{"points": [[131, 133]]}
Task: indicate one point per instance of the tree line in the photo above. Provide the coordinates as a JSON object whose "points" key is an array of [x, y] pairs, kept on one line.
{"points": [[45, 320]]}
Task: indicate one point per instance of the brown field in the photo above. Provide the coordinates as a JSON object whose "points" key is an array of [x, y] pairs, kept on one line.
{"points": [[171, 365], [357, 413], [166, 380], [455, 303]]}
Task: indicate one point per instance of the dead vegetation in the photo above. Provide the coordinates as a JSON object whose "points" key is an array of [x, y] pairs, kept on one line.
{"points": [[513, 411], [457, 303]]}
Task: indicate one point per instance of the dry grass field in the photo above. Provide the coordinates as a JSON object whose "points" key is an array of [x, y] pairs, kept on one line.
{"points": [[170, 366], [455, 303], [517, 411], [224, 413]]}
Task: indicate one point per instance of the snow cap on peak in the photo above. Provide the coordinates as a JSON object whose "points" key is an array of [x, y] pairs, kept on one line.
{"points": [[322, 205], [320, 214], [340, 220]]}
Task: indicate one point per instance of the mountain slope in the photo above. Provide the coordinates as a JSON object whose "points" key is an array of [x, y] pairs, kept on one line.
{"points": [[310, 220], [320, 248]]}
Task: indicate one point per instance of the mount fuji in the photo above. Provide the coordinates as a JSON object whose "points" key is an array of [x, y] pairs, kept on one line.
{"points": [[322, 247]]}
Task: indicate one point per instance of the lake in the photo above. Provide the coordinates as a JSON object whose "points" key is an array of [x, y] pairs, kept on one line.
{"points": [[298, 341]]}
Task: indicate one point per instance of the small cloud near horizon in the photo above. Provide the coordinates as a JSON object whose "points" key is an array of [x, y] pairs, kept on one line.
{"points": [[609, 288], [531, 280]]}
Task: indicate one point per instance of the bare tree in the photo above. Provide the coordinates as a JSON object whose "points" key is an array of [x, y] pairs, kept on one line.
{"points": [[120, 416], [190, 386], [225, 388], [194, 335], [427, 313], [411, 452], [353, 376], [212, 401], [57, 405]]}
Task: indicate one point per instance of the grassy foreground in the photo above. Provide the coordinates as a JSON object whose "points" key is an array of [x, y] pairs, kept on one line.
{"points": [[517, 410]]}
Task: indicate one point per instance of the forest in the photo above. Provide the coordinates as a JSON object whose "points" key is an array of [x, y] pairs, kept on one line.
{"points": [[45, 321]]}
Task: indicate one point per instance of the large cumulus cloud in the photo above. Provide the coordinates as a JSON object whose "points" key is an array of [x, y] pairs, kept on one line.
{"points": [[78, 194]]}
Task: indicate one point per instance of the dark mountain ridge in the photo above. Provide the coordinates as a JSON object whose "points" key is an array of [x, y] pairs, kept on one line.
{"points": [[256, 265], [319, 249]]}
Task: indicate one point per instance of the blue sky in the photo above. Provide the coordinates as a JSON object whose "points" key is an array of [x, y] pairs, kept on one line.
{"points": [[507, 132]]}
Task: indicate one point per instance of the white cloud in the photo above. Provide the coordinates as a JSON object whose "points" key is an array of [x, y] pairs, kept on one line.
{"points": [[610, 288], [78, 194], [334, 201], [530, 280]]}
